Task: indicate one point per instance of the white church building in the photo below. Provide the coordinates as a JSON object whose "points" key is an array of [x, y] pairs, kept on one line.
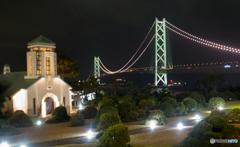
{"points": [[38, 90]]}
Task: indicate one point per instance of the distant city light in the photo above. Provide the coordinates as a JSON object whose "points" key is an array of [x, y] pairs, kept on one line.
{"points": [[180, 126], [220, 108], [39, 122], [227, 66], [89, 134], [153, 124], [4, 144]]}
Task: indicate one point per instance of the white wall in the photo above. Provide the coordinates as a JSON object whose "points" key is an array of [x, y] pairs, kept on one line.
{"points": [[40, 89]]}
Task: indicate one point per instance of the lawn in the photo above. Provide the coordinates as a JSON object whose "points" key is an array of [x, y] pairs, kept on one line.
{"points": [[232, 104]]}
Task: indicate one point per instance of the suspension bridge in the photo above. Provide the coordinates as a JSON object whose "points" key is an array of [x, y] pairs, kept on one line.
{"points": [[221, 58]]}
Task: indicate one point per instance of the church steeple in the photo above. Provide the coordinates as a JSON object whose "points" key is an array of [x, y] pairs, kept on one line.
{"points": [[41, 58]]}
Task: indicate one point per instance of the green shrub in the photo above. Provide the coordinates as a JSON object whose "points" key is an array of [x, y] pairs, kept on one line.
{"points": [[200, 129], [234, 116], [115, 136], [90, 112], [108, 120], [217, 122], [190, 104], [60, 114], [145, 104], [108, 109], [207, 136], [180, 109], [190, 142], [81, 112], [51, 121], [231, 131], [2, 116], [213, 93], [133, 116], [168, 99], [8, 131], [170, 112], [77, 120], [106, 102], [123, 110], [20, 119], [218, 113], [159, 116], [181, 96], [216, 102], [199, 98], [8, 114], [100, 134], [141, 113]]}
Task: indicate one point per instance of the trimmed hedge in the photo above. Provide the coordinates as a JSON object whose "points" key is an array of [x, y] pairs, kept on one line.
{"points": [[90, 112], [59, 115], [159, 116], [108, 120], [190, 104], [133, 115], [77, 120], [8, 131], [20, 119], [123, 110], [106, 102], [108, 109], [115, 136]]}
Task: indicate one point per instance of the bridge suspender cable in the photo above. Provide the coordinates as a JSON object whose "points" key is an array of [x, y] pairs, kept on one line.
{"points": [[129, 65], [200, 40], [112, 72]]}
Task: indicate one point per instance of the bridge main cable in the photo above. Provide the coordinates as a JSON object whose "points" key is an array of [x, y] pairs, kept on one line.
{"points": [[129, 65], [200, 40], [106, 69]]}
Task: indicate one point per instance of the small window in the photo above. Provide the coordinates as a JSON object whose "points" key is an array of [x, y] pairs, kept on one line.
{"points": [[34, 106], [9, 98], [63, 101]]}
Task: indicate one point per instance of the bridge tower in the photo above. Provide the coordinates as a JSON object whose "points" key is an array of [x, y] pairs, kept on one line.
{"points": [[97, 69], [160, 52]]}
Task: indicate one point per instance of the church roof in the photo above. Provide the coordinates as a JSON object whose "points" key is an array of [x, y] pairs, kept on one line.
{"points": [[41, 40], [13, 82], [6, 65]]}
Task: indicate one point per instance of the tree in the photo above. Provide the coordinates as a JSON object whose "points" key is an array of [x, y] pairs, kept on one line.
{"points": [[216, 102], [214, 80], [131, 87], [2, 100], [107, 120], [66, 67], [190, 104]]}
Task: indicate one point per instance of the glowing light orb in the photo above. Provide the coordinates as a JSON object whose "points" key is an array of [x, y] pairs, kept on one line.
{"points": [[80, 107], [153, 124], [220, 108], [23, 146], [39, 122], [89, 134], [197, 117], [180, 126], [4, 144]]}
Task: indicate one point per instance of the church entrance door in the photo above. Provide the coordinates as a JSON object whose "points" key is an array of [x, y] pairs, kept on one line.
{"points": [[49, 105]]}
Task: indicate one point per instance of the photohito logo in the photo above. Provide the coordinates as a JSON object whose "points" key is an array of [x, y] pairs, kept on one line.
{"points": [[212, 141]]}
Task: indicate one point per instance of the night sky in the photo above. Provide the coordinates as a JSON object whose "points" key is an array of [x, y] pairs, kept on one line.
{"points": [[111, 29]]}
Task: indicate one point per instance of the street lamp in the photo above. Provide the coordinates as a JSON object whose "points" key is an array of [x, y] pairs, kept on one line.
{"points": [[153, 124], [89, 134], [220, 108], [180, 126], [80, 107], [39, 122], [4, 144]]}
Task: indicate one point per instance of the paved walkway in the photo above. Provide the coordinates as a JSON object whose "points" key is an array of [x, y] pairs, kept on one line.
{"points": [[81, 140]]}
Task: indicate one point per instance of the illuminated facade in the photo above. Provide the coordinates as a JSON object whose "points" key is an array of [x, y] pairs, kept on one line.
{"points": [[39, 90]]}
